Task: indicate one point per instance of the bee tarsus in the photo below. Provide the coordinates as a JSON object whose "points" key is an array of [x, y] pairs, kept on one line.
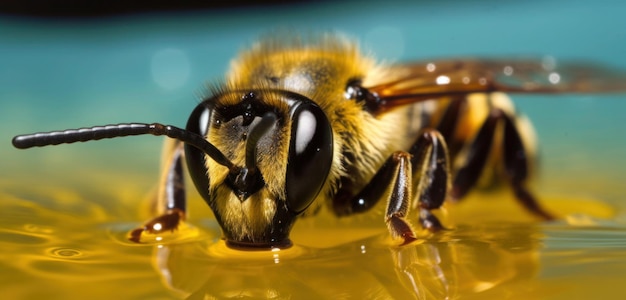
{"points": [[167, 222]]}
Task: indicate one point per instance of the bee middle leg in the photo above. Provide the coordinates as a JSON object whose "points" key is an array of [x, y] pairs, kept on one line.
{"points": [[421, 173], [170, 204]]}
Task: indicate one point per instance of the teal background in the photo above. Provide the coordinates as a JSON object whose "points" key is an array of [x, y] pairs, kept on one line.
{"points": [[57, 74]]}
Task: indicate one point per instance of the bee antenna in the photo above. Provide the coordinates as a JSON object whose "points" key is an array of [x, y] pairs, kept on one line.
{"points": [[120, 130]]}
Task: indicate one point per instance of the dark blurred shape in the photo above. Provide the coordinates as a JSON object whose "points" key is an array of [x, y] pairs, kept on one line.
{"points": [[99, 8]]}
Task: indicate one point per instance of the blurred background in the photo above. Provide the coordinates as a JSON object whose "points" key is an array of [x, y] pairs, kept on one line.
{"points": [[67, 65]]}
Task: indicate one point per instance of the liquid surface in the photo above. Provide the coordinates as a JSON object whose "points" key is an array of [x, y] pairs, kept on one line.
{"points": [[74, 244], [66, 211]]}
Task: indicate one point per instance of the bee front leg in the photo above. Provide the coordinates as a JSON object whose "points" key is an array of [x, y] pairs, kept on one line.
{"points": [[426, 168], [421, 173], [399, 190], [431, 171], [170, 204]]}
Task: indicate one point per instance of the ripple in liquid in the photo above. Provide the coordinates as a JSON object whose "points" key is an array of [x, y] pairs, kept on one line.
{"points": [[65, 253]]}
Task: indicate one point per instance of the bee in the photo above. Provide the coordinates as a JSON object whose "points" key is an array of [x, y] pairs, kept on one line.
{"points": [[301, 123]]}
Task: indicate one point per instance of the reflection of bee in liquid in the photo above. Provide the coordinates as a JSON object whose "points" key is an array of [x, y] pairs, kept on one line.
{"points": [[298, 123]]}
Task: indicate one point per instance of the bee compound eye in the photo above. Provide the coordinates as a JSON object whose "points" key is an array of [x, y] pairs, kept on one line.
{"points": [[196, 160], [310, 155]]}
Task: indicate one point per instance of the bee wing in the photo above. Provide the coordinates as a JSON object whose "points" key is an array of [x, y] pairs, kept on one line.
{"points": [[421, 81]]}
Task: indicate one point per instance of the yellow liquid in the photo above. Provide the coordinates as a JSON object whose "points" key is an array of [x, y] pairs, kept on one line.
{"points": [[62, 242]]}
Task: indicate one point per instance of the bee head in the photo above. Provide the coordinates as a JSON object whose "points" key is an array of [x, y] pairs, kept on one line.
{"points": [[258, 158], [281, 147]]}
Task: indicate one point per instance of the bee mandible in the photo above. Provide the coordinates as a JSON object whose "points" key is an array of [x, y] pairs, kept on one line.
{"points": [[300, 123]]}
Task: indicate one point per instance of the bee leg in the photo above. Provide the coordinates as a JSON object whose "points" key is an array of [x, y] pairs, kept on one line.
{"points": [[516, 168], [171, 200], [399, 191], [478, 152], [389, 175], [514, 156], [448, 123], [425, 168], [431, 175]]}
